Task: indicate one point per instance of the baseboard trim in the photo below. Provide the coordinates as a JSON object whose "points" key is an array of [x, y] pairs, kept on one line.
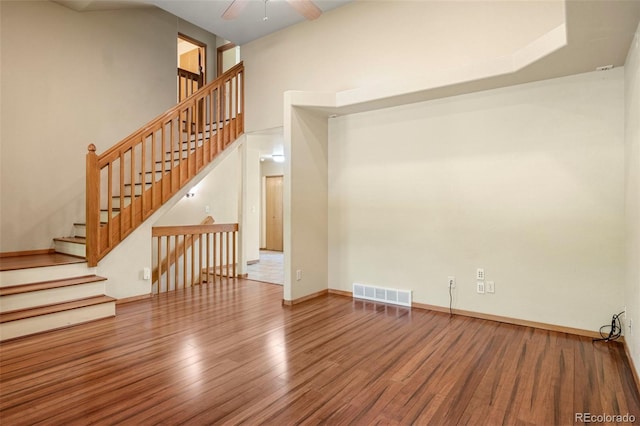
{"points": [[340, 292], [26, 253], [514, 321], [253, 262], [133, 299], [305, 298], [497, 318], [634, 371]]}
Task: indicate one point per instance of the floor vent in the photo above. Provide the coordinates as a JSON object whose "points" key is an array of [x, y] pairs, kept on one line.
{"points": [[379, 294]]}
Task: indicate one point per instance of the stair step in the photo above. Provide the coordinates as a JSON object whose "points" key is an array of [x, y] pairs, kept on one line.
{"points": [[25, 296], [53, 308], [47, 285], [46, 272], [104, 214], [74, 246], [14, 263], [137, 189], [23, 322]]}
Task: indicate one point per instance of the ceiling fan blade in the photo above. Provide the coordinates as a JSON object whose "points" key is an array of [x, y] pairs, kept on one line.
{"points": [[306, 8], [234, 9]]}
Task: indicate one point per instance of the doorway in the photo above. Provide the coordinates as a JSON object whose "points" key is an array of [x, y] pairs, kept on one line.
{"points": [[191, 66], [274, 219]]}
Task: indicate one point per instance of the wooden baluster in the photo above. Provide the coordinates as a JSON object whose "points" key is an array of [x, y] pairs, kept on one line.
{"points": [[215, 250], [234, 241], [220, 253], [184, 261], [201, 258], [228, 268], [209, 256], [175, 262], [168, 264], [159, 256], [235, 108], [133, 180], [92, 206], [193, 258], [109, 206], [143, 167]]}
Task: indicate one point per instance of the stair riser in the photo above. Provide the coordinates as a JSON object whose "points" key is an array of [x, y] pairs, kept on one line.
{"points": [[73, 249], [47, 273], [34, 299], [115, 202], [104, 215], [80, 230], [24, 327]]}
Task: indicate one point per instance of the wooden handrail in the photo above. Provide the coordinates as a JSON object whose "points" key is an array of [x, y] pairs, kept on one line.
{"points": [[182, 262], [131, 180], [187, 244]]}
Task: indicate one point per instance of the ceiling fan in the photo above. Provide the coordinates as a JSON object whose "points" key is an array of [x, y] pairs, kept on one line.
{"points": [[306, 8]]}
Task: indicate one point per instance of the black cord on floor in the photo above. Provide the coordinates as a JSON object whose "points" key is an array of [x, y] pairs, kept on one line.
{"points": [[615, 329]]}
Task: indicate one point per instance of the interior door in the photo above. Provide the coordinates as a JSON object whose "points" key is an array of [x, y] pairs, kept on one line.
{"points": [[273, 201]]}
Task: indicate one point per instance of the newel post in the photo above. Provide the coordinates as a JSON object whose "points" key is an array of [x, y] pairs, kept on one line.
{"points": [[93, 206]]}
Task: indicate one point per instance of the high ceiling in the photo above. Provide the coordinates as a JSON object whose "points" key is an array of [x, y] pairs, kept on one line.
{"points": [[248, 26]]}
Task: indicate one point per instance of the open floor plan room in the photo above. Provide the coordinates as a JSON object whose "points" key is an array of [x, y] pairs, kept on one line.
{"points": [[230, 353]]}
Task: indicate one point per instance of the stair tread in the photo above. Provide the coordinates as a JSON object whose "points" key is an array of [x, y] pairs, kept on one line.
{"points": [[54, 308], [38, 261], [46, 285], [75, 240]]}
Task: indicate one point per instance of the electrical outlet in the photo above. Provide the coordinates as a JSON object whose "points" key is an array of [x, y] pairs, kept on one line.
{"points": [[491, 287], [480, 287], [207, 209], [146, 273], [451, 282], [480, 274], [298, 274]]}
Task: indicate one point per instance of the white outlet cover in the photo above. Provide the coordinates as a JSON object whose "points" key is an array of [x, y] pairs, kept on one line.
{"points": [[480, 287], [491, 288]]}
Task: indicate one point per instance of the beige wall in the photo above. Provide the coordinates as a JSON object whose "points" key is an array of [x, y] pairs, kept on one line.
{"points": [[632, 186], [305, 203], [368, 43], [69, 79], [525, 182], [218, 190]]}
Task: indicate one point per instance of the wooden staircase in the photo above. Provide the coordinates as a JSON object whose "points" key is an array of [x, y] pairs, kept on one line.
{"points": [[48, 291], [125, 185]]}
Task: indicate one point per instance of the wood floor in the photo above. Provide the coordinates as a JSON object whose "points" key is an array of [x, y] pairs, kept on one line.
{"points": [[230, 353]]}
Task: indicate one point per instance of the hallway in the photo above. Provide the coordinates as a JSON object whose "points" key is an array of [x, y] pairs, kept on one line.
{"points": [[269, 269]]}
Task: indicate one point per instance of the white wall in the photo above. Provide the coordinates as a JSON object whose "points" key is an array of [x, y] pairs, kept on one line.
{"points": [[368, 43], [252, 221], [218, 190], [305, 203], [525, 182], [632, 205], [69, 79]]}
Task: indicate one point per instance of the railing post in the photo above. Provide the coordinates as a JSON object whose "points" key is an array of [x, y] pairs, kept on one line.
{"points": [[93, 206]]}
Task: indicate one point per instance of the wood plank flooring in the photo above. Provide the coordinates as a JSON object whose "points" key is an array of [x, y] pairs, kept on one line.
{"points": [[230, 353]]}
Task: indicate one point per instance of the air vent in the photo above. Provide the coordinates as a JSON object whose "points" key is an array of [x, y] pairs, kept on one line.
{"points": [[380, 294]]}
